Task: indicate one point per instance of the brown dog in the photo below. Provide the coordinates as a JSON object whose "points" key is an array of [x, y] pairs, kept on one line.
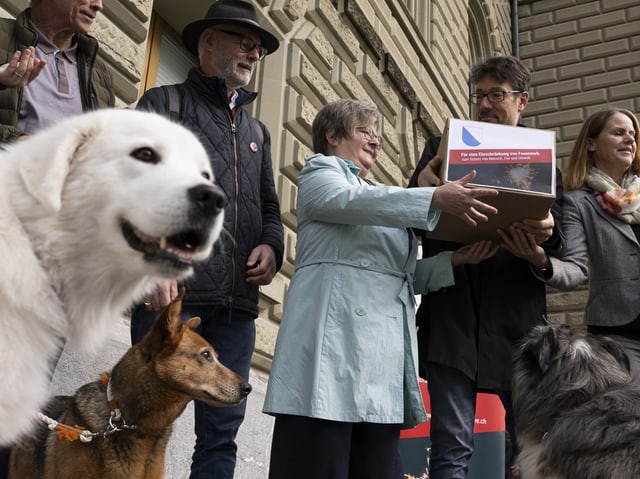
{"points": [[128, 417]]}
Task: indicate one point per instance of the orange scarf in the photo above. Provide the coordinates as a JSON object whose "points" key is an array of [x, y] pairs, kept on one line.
{"points": [[622, 201]]}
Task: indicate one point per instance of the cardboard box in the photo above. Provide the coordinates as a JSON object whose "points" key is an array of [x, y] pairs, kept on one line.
{"points": [[518, 162]]}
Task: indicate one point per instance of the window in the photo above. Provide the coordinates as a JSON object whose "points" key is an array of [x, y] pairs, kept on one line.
{"points": [[167, 61]]}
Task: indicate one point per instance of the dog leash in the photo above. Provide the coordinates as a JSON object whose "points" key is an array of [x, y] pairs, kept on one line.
{"points": [[74, 433]]}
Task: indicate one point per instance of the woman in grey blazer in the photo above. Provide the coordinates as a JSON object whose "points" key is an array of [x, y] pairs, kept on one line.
{"points": [[601, 222], [344, 377]]}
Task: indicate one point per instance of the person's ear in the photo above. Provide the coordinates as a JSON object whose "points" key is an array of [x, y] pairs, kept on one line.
{"points": [[590, 145], [523, 100], [332, 139], [208, 38]]}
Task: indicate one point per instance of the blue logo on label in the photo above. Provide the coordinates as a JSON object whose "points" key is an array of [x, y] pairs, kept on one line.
{"points": [[471, 136]]}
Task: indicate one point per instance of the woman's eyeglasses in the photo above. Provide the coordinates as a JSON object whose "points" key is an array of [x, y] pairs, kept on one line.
{"points": [[371, 136], [246, 44]]}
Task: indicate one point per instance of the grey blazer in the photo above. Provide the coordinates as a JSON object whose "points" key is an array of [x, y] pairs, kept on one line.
{"points": [[603, 249]]}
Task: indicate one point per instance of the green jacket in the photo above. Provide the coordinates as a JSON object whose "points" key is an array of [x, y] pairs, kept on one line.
{"points": [[95, 80]]}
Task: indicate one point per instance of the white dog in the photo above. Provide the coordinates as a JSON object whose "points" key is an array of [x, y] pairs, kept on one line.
{"points": [[93, 213]]}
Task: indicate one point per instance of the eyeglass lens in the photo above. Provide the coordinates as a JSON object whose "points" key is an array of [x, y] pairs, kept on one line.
{"points": [[369, 135], [246, 44], [493, 96]]}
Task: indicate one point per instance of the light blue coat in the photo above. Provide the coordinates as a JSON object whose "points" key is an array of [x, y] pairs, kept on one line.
{"points": [[347, 349]]}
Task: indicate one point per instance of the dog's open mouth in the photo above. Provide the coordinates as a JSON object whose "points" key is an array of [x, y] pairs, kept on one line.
{"points": [[179, 248]]}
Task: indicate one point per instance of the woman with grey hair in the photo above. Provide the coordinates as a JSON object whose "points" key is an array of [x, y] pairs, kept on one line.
{"points": [[344, 378]]}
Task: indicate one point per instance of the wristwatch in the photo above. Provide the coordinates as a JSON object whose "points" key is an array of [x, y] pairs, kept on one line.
{"points": [[546, 272]]}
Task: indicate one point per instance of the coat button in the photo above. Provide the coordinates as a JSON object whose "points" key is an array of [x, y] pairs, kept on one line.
{"points": [[361, 311], [365, 263]]}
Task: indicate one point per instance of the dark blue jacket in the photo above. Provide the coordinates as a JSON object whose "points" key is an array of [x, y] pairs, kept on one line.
{"points": [[239, 148]]}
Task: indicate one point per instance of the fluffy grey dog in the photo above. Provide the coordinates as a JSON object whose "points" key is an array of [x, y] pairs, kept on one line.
{"points": [[577, 411]]}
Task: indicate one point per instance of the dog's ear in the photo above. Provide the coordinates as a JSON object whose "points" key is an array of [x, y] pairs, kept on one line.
{"points": [[547, 346], [535, 350], [43, 169], [167, 326], [192, 323], [174, 308], [618, 353], [177, 330], [540, 346], [172, 324]]}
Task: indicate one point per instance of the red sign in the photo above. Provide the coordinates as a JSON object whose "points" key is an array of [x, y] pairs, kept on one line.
{"points": [[500, 156], [489, 415]]}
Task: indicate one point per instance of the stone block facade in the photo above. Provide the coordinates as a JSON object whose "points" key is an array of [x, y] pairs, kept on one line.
{"points": [[584, 55], [411, 58]]}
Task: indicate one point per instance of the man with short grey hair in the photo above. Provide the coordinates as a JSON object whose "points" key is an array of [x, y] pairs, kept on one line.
{"points": [[51, 69]]}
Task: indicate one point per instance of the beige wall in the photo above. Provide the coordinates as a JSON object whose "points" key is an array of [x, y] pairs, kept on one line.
{"points": [[411, 58], [584, 55]]}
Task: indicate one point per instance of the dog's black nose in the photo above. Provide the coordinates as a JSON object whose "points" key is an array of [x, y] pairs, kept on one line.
{"points": [[245, 388], [208, 198]]}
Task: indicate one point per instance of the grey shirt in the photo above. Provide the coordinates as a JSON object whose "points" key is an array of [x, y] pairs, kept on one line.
{"points": [[55, 93]]}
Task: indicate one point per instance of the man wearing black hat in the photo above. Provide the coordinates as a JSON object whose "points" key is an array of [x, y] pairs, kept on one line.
{"points": [[229, 43]]}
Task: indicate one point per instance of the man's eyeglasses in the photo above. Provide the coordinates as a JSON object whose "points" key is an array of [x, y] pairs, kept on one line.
{"points": [[371, 136], [246, 44], [493, 96]]}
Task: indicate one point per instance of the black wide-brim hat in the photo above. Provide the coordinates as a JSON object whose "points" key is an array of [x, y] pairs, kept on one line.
{"points": [[228, 12]]}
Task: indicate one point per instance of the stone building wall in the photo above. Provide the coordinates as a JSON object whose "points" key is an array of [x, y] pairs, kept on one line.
{"points": [[584, 55], [410, 58]]}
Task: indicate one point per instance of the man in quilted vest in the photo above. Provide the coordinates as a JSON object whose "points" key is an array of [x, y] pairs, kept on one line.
{"points": [[224, 291]]}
